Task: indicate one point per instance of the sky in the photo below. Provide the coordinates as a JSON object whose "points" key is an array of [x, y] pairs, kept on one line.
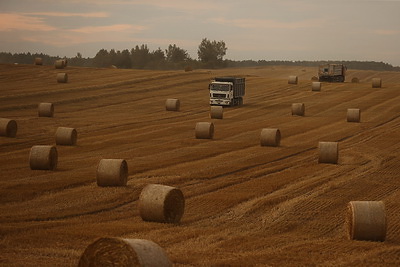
{"points": [[364, 30]]}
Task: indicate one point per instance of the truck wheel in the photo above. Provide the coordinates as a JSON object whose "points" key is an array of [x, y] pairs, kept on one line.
{"points": [[240, 101]]}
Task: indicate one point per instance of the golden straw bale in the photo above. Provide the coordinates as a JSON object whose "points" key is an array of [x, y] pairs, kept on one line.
{"points": [[8, 128], [38, 61], [293, 80], [270, 137], [172, 104], [366, 220], [59, 64], [66, 136], [46, 110], [216, 112], [328, 152], [298, 109], [112, 172], [314, 78], [124, 252], [316, 86], [43, 158], [204, 130], [355, 80], [353, 115], [161, 203], [62, 77], [376, 83]]}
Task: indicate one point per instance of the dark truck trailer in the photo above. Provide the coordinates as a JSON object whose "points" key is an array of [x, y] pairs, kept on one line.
{"points": [[332, 73], [227, 91]]}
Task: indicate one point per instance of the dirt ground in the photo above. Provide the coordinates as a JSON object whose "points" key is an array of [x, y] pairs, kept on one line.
{"points": [[246, 205]]}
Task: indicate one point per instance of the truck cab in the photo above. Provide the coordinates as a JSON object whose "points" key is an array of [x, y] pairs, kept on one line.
{"points": [[227, 91]]}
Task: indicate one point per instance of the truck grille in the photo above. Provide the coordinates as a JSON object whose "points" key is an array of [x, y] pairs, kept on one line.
{"points": [[219, 95]]}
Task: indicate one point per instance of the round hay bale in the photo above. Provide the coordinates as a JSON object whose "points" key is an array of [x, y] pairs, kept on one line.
{"points": [[38, 61], [8, 128], [161, 203], [46, 110], [328, 152], [62, 77], [366, 220], [66, 136], [353, 115], [376, 83], [112, 172], [293, 80], [59, 64], [124, 252], [316, 86], [204, 130], [113, 67], [298, 109], [188, 68], [270, 137], [216, 112], [43, 158], [355, 80], [172, 104], [314, 78]]}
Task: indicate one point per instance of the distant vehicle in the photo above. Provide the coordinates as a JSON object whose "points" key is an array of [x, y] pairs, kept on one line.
{"points": [[332, 73], [227, 91]]}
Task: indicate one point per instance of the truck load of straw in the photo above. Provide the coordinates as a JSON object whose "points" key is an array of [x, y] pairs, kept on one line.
{"points": [[355, 80], [124, 252], [62, 77], [353, 115], [38, 61], [293, 80], [8, 128], [66, 136], [328, 152], [316, 86], [216, 112], [298, 109], [376, 83], [161, 203], [270, 137], [59, 64], [366, 220], [43, 158], [112, 172], [172, 104], [46, 110], [204, 130]]}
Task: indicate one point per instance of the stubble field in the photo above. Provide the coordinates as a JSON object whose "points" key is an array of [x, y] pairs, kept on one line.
{"points": [[245, 204]]}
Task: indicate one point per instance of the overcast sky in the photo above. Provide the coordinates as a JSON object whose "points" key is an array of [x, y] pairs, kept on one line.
{"points": [[252, 29]]}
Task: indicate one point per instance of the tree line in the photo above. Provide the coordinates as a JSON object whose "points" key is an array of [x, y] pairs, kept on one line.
{"points": [[210, 55]]}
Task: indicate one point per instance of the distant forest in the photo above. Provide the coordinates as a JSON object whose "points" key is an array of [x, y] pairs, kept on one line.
{"points": [[210, 55]]}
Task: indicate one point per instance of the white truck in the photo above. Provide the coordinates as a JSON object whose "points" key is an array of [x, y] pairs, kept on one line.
{"points": [[227, 91], [332, 73]]}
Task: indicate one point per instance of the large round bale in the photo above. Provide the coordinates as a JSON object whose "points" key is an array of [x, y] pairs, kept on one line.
{"points": [[355, 80], [270, 137], [124, 252], [216, 112], [316, 86], [376, 83], [43, 158], [8, 128], [46, 110], [112, 172], [161, 203], [293, 80], [353, 115], [172, 104], [62, 77], [59, 64], [66, 136], [366, 220], [204, 130], [38, 61], [328, 152], [298, 109]]}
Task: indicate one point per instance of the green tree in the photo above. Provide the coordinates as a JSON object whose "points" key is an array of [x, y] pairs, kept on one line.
{"points": [[211, 52], [174, 54]]}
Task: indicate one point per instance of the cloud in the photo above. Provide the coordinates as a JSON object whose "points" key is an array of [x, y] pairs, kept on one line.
{"points": [[109, 28], [269, 24], [387, 32], [11, 22], [66, 14]]}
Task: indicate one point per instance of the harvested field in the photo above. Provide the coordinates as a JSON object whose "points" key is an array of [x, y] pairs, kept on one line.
{"points": [[244, 204]]}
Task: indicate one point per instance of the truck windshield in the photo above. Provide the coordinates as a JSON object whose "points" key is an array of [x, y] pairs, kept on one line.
{"points": [[219, 87]]}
